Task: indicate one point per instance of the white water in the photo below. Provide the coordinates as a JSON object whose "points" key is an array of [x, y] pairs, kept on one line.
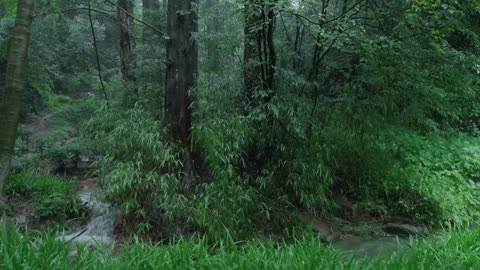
{"points": [[99, 230]]}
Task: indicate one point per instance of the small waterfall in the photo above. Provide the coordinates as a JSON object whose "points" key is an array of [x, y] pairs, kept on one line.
{"points": [[99, 230]]}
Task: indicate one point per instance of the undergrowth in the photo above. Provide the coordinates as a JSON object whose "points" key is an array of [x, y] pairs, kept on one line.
{"points": [[452, 250], [52, 197]]}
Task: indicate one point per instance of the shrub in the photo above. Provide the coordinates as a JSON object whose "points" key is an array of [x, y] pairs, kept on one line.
{"points": [[428, 178], [139, 169]]}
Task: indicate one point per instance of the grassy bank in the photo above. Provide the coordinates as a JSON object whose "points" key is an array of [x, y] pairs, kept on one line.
{"points": [[452, 250]]}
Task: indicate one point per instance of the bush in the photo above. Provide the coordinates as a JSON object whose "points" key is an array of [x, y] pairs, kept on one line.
{"points": [[444, 172], [139, 169], [52, 197], [395, 172]]}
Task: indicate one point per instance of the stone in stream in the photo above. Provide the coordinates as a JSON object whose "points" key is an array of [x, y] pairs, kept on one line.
{"points": [[15, 164], [405, 229], [325, 230]]}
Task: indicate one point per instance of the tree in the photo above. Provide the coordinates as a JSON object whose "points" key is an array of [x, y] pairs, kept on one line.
{"points": [[259, 51], [11, 101], [182, 69], [127, 40]]}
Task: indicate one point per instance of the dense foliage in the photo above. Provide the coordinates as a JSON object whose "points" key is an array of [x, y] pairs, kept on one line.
{"points": [[365, 110]]}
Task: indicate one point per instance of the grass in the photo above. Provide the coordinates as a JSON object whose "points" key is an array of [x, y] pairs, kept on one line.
{"points": [[52, 197], [452, 250]]}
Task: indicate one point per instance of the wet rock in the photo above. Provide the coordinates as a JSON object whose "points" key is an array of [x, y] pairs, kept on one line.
{"points": [[405, 229], [21, 220], [15, 164], [325, 230]]}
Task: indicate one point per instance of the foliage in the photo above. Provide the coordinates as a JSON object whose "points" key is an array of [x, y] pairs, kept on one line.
{"points": [[52, 197], [53, 141], [377, 103], [138, 168], [18, 251]]}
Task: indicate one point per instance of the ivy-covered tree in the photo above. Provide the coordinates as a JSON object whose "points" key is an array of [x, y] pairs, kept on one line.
{"points": [[127, 40], [11, 99]]}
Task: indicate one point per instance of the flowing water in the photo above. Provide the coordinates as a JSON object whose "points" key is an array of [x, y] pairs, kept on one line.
{"points": [[360, 247], [99, 229]]}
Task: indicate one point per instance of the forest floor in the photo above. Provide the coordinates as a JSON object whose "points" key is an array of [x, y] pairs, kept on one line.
{"points": [[359, 238]]}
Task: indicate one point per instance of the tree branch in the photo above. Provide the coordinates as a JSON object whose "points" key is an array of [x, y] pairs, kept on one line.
{"points": [[104, 12], [99, 67], [331, 20]]}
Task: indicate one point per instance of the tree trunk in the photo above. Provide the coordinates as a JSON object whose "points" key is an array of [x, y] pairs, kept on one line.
{"points": [[259, 50], [182, 68], [127, 40], [11, 101]]}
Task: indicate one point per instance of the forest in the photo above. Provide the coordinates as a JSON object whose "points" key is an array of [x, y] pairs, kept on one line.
{"points": [[239, 134]]}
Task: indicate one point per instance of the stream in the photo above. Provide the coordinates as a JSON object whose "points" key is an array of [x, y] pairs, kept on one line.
{"points": [[360, 247], [99, 229]]}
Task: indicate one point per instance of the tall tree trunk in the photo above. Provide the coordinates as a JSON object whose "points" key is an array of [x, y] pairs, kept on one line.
{"points": [[182, 68], [127, 40], [11, 101], [259, 50]]}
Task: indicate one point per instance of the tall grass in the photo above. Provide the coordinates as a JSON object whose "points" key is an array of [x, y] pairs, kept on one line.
{"points": [[453, 250], [52, 197]]}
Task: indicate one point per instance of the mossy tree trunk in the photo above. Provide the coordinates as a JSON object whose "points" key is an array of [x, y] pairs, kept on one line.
{"points": [[182, 69], [11, 101], [127, 40]]}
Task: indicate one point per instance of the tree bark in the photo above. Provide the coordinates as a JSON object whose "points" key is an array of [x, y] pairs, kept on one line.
{"points": [[259, 50], [127, 40], [182, 69], [11, 101]]}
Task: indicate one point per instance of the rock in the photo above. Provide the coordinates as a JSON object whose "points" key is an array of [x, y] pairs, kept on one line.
{"points": [[83, 162], [325, 231], [15, 164], [20, 220], [84, 158], [405, 229]]}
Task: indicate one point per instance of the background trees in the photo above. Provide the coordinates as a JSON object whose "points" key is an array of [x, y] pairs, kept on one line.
{"points": [[364, 110]]}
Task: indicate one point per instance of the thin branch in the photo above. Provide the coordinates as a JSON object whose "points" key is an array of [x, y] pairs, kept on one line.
{"points": [[104, 12], [99, 67], [331, 20], [77, 236]]}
